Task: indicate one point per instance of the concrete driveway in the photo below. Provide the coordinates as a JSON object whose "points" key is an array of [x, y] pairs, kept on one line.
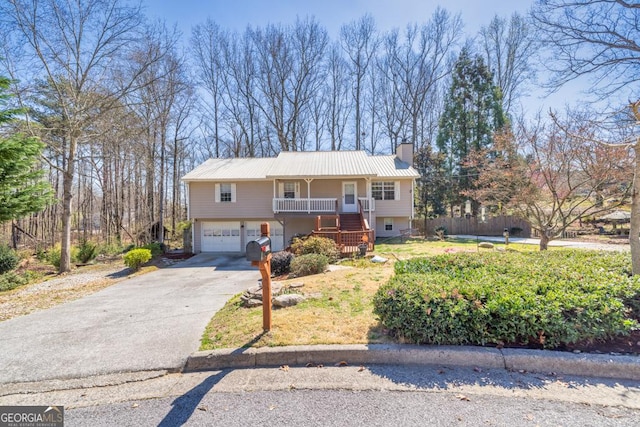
{"points": [[149, 322]]}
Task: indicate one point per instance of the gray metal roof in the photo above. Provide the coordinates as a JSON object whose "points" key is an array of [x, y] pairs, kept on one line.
{"points": [[237, 169], [321, 164], [392, 167], [302, 164]]}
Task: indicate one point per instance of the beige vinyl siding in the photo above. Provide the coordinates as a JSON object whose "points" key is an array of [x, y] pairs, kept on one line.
{"points": [[399, 223], [293, 226], [253, 200], [397, 208]]}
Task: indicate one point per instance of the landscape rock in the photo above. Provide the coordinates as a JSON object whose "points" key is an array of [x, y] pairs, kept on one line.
{"points": [[379, 259], [252, 297], [287, 300], [485, 245]]}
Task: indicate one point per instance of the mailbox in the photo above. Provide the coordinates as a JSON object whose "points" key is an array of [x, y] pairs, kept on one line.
{"points": [[259, 249]]}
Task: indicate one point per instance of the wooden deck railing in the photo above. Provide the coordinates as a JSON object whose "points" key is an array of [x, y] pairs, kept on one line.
{"points": [[349, 241]]}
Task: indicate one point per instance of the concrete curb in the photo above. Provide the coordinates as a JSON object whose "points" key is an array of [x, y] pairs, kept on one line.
{"points": [[590, 365]]}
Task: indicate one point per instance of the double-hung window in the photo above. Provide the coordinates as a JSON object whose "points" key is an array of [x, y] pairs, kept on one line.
{"points": [[385, 190], [225, 192], [290, 190]]}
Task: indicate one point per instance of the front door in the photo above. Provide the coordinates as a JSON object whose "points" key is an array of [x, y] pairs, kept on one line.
{"points": [[349, 197]]}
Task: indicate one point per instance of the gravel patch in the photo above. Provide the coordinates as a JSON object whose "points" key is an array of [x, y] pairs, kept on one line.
{"points": [[61, 289]]}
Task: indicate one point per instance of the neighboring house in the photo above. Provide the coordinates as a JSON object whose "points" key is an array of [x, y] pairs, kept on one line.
{"points": [[346, 195]]}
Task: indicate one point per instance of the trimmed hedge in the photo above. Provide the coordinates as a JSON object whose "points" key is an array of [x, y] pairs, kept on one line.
{"points": [[544, 298]]}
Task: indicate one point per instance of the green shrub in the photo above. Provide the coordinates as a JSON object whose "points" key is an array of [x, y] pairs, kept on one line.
{"points": [[8, 259], [54, 255], [155, 248], [11, 280], [316, 245], [111, 249], [136, 257], [281, 262], [546, 299], [307, 264], [86, 251]]}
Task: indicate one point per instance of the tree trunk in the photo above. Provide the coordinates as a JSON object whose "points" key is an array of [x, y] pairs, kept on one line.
{"points": [[544, 241], [67, 195], [634, 226]]}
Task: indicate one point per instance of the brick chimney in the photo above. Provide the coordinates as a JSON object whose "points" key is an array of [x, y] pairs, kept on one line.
{"points": [[404, 152]]}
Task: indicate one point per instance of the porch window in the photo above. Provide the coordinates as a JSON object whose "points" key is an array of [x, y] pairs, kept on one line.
{"points": [[290, 190], [388, 224], [385, 190]]}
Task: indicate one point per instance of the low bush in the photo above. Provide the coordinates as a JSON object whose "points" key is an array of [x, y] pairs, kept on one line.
{"points": [[316, 245], [9, 259], [12, 280], [545, 299], [136, 257], [86, 252], [281, 263], [305, 265], [54, 255], [155, 248]]}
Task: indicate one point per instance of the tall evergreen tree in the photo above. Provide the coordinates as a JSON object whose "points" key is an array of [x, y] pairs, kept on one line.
{"points": [[472, 114], [22, 190]]}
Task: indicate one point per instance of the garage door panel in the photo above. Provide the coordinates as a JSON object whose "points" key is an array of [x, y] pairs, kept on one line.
{"points": [[221, 236], [252, 232]]}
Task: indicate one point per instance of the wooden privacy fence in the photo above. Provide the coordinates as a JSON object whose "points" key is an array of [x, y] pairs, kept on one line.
{"points": [[494, 226]]}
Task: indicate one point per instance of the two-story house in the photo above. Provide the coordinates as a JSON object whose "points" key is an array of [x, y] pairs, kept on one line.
{"points": [[349, 196]]}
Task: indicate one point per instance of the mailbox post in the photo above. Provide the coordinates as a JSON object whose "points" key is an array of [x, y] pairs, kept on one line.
{"points": [[259, 253]]}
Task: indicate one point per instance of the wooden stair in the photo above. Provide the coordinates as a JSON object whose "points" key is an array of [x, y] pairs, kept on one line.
{"points": [[350, 222]]}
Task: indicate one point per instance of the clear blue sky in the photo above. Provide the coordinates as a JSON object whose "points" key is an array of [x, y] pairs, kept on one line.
{"points": [[332, 14]]}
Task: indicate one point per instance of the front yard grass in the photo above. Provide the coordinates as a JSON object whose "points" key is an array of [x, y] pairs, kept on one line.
{"points": [[341, 311]]}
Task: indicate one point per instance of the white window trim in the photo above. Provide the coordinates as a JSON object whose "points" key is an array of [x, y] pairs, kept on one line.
{"points": [[281, 188], [388, 221], [396, 189], [218, 193]]}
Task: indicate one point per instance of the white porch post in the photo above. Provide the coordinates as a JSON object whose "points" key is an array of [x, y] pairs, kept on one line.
{"points": [[369, 199], [308, 181], [274, 197]]}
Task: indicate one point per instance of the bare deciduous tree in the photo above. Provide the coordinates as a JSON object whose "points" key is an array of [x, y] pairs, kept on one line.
{"points": [[78, 45], [360, 42], [509, 46], [554, 176], [600, 40]]}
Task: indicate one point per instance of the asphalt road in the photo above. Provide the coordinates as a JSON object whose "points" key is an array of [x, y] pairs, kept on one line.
{"points": [[374, 395], [148, 322]]}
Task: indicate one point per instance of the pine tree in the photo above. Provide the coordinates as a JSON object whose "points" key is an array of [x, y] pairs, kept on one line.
{"points": [[473, 113], [22, 190]]}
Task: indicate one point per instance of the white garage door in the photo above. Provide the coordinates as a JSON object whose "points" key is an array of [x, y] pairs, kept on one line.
{"points": [[252, 232], [221, 236]]}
